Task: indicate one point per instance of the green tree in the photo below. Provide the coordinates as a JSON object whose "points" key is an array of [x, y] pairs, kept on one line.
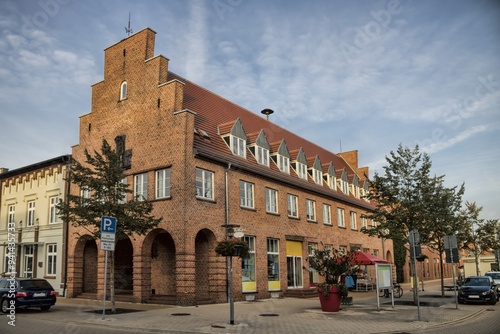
{"points": [[443, 206], [399, 196], [470, 237], [102, 177]]}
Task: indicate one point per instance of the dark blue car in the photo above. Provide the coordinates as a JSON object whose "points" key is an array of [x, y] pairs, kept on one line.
{"points": [[478, 289], [17, 293]]}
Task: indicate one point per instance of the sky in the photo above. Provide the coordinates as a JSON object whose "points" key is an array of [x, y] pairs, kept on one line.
{"points": [[346, 75]]}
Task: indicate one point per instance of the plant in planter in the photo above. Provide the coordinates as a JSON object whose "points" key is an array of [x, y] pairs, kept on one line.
{"points": [[331, 264], [232, 247]]}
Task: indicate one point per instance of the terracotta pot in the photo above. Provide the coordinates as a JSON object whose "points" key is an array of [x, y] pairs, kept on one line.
{"points": [[332, 302]]}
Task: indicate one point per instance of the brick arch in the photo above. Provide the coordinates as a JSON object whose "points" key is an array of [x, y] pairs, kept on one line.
{"points": [[86, 264], [205, 266], [159, 266]]}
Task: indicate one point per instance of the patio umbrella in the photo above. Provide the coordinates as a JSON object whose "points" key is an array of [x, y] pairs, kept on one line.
{"points": [[363, 258]]}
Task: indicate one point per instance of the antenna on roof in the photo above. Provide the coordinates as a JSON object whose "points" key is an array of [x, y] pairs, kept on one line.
{"points": [[267, 112], [128, 30]]}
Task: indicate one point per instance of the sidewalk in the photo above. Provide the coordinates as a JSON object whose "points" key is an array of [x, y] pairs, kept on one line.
{"points": [[287, 315]]}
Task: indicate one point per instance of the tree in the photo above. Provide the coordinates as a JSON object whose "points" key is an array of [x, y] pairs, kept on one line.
{"points": [[478, 235], [399, 195], [443, 205], [101, 177]]}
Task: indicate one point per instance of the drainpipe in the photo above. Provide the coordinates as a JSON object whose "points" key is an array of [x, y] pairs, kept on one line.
{"points": [[227, 198], [66, 225]]}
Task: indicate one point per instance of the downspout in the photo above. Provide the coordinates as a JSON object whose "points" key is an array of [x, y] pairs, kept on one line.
{"points": [[228, 289], [66, 232]]}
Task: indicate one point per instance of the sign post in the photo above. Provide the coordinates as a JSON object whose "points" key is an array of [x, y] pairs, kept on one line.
{"points": [[108, 237], [450, 247], [414, 250]]}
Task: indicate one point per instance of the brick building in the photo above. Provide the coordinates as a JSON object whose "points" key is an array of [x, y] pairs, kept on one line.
{"points": [[207, 162], [31, 231]]}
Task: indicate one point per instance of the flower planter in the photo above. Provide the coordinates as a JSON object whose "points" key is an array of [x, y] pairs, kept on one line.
{"points": [[332, 302]]}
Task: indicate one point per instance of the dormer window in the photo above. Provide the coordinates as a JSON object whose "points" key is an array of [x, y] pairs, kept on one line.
{"points": [[123, 91], [238, 146], [260, 149], [300, 165], [262, 156], [281, 156], [235, 138], [301, 170], [317, 171], [330, 178], [284, 164], [344, 183]]}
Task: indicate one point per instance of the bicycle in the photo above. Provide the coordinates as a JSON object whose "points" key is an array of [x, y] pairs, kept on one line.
{"points": [[396, 289]]}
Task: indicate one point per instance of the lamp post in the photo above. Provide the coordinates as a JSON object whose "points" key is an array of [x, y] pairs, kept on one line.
{"points": [[232, 230]]}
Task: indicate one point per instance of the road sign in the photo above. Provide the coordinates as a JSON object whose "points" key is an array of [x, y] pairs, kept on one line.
{"points": [[414, 237], [108, 233], [450, 242]]}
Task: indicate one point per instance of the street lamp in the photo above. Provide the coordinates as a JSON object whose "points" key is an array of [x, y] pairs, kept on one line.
{"points": [[232, 230]]}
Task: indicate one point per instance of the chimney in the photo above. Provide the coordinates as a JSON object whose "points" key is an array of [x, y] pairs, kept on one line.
{"points": [[3, 170]]}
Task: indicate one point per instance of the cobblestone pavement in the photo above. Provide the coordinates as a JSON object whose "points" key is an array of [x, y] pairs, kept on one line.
{"points": [[286, 315]]}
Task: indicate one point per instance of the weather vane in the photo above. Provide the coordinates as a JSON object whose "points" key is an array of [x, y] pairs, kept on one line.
{"points": [[128, 30]]}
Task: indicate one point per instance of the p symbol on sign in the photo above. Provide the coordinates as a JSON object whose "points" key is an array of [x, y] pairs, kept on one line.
{"points": [[108, 224]]}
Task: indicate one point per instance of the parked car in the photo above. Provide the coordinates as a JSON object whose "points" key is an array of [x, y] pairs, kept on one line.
{"points": [[496, 278], [17, 293], [478, 289]]}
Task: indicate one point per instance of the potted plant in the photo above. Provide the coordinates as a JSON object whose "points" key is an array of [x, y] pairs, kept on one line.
{"points": [[232, 247], [331, 264]]}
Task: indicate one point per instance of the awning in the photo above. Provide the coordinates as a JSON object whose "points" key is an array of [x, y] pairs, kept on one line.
{"points": [[361, 258]]}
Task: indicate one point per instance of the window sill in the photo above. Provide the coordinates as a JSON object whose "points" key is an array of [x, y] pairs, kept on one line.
{"points": [[342, 227], [312, 221], [293, 218], [247, 208], [50, 276], [329, 225], [273, 213], [204, 199]]}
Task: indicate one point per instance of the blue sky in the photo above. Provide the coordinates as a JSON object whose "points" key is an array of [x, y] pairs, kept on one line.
{"points": [[350, 75]]}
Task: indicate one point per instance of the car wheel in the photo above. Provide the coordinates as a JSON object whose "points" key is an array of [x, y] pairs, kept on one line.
{"points": [[44, 308], [5, 305], [493, 301]]}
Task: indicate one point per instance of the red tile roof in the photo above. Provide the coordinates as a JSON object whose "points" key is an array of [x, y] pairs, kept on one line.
{"points": [[215, 113]]}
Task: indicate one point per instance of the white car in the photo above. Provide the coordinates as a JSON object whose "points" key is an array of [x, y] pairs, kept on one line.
{"points": [[495, 275]]}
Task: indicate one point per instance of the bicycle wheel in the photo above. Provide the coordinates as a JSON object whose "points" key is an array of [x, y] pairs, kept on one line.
{"points": [[398, 292], [381, 293]]}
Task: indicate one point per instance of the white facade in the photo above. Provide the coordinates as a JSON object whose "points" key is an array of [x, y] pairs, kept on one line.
{"points": [[31, 231]]}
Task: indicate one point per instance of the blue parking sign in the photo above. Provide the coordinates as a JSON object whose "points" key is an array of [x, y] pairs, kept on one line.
{"points": [[108, 224]]}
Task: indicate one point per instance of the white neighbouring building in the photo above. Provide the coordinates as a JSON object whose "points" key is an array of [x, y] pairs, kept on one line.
{"points": [[28, 200]]}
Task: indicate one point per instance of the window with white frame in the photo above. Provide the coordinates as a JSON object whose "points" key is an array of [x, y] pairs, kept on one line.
{"points": [[292, 206], [262, 155], [123, 90], [318, 176], [273, 261], [204, 184], [28, 261], [271, 200], [345, 186], [163, 183], [141, 187], [123, 198], [340, 217], [331, 182], [284, 164], [248, 263], [30, 218], [51, 259], [302, 170], [85, 195], [11, 216], [374, 224], [327, 217], [354, 225], [53, 209], [246, 194], [238, 146], [310, 210], [363, 222], [313, 274]]}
